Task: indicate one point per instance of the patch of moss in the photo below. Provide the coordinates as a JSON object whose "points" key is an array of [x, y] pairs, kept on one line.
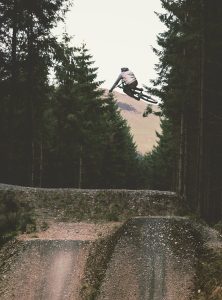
{"points": [[209, 275], [44, 226], [15, 216], [218, 227]]}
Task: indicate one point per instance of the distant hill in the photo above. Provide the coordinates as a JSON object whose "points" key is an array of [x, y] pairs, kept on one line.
{"points": [[142, 129]]}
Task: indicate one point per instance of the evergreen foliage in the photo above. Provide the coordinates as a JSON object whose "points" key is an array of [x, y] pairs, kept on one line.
{"points": [[27, 47], [63, 132], [160, 164], [188, 83]]}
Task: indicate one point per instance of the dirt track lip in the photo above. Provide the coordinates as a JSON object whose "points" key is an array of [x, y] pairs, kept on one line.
{"points": [[71, 231], [156, 257], [160, 217]]}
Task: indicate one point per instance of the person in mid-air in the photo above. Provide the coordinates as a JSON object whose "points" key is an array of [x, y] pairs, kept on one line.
{"points": [[129, 81]]}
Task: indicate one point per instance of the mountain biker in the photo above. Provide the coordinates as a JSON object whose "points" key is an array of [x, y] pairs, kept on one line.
{"points": [[129, 81]]}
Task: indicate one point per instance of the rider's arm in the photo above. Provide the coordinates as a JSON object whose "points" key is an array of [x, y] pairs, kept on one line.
{"points": [[116, 82]]}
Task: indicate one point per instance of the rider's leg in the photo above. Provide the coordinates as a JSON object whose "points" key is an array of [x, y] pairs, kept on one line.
{"points": [[134, 86], [128, 88]]}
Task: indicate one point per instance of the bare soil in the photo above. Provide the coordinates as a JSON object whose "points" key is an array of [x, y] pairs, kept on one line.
{"points": [[48, 265], [71, 231]]}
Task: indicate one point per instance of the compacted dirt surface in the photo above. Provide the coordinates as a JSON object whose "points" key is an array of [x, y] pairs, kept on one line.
{"points": [[154, 259], [71, 231], [146, 258], [48, 265]]}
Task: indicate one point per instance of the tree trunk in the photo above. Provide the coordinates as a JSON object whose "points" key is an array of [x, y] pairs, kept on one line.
{"points": [[181, 158], [30, 104], [41, 164], [201, 172], [80, 168], [13, 98]]}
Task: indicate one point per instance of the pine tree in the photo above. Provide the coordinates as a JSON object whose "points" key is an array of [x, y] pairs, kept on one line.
{"points": [[27, 50], [93, 140], [160, 165], [178, 70], [189, 69], [120, 159]]}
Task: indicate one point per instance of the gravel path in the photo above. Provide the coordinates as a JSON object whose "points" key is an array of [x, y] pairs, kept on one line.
{"points": [[154, 259], [49, 265]]}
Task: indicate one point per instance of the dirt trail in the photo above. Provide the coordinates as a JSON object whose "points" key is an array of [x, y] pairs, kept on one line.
{"points": [[154, 259], [49, 265], [151, 258]]}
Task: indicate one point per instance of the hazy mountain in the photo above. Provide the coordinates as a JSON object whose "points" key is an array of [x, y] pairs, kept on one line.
{"points": [[142, 129]]}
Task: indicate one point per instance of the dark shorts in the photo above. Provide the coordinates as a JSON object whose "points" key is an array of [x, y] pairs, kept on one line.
{"points": [[133, 85], [129, 87]]}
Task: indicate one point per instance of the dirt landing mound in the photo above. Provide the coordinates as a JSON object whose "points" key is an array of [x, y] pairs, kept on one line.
{"points": [[154, 259], [44, 270], [47, 265]]}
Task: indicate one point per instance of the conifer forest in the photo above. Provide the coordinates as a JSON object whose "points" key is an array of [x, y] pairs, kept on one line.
{"points": [[59, 129]]}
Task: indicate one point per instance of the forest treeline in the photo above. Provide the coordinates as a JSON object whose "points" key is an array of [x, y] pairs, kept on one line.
{"points": [[189, 85], [57, 128]]}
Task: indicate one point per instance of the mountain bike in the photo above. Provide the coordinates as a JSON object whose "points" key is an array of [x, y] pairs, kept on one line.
{"points": [[138, 94]]}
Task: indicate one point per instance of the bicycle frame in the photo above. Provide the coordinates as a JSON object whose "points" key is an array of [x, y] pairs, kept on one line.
{"points": [[139, 94]]}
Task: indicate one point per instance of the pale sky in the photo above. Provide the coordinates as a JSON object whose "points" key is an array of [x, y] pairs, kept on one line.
{"points": [[118, 33]]}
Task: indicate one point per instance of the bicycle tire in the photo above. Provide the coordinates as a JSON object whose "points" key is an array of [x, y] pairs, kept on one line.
{"points": [[148, 99], [138, 94]]}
